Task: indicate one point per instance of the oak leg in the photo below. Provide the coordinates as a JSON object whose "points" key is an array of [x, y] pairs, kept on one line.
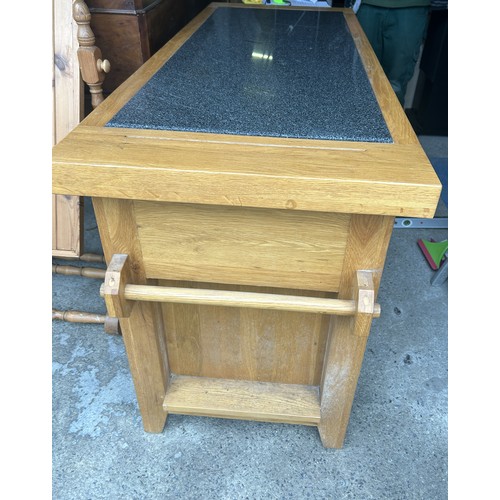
{"points": [[142, 334], [142, 328], [366, 250]]}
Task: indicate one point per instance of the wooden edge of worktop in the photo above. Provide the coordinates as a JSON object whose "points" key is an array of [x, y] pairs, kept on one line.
{"points": [[399, 179], [349, 177]]}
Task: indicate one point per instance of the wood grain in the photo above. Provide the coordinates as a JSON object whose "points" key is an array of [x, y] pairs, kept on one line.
{"points": [[252, 300], [242, 343], [368, 178], [129, 32], [285, 403], [68, 111], [366, 250], [88, 272], [68, 86], [67, 229], [118, 276], [92, 65], [251, 215], [363, 293], [119, 38], [143, 330], [385, 179], [247, 246], [129, 88]]}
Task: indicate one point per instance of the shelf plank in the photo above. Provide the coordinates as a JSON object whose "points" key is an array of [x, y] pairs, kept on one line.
{"points": [[242, 399]]}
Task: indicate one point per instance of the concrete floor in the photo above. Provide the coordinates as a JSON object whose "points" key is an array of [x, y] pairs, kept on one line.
{"points": [[396, 444]]}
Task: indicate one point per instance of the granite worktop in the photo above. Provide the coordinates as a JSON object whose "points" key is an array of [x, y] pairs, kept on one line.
{"points": [[263, 72]]}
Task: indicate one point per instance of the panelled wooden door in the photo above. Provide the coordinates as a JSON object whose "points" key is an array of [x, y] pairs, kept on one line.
{"points": [[68, 112]]}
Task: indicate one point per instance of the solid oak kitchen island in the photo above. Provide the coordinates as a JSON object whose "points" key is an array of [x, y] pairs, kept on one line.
{"points": [[245, 182]]}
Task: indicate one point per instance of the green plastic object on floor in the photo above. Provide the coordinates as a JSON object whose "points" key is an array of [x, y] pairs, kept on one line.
{"points": [[434, 251]]}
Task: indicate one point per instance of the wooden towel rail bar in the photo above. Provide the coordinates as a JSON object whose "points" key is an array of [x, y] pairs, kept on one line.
{"points": [[242, 299], [120, 296]]}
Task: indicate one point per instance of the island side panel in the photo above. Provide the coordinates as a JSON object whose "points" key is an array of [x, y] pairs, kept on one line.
{"points": [[143, 329], [246, 344], [245, 249]]}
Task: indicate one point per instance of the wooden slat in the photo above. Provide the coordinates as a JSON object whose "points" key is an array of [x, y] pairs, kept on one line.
{"points": [[284, 403]]}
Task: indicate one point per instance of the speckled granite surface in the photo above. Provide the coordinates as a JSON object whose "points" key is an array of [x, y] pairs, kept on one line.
{"points": [[263, 72]]}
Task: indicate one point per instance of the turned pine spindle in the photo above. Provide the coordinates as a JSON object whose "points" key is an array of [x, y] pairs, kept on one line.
{"points": [[111, 325], [86, 272], [86, 257], [92, 65]]}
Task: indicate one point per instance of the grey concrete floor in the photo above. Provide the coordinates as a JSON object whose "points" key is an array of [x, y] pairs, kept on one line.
{"points": [[396, 443]]}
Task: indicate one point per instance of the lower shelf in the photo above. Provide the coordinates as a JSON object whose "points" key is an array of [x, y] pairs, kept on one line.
{"points": [[244, 400]]}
